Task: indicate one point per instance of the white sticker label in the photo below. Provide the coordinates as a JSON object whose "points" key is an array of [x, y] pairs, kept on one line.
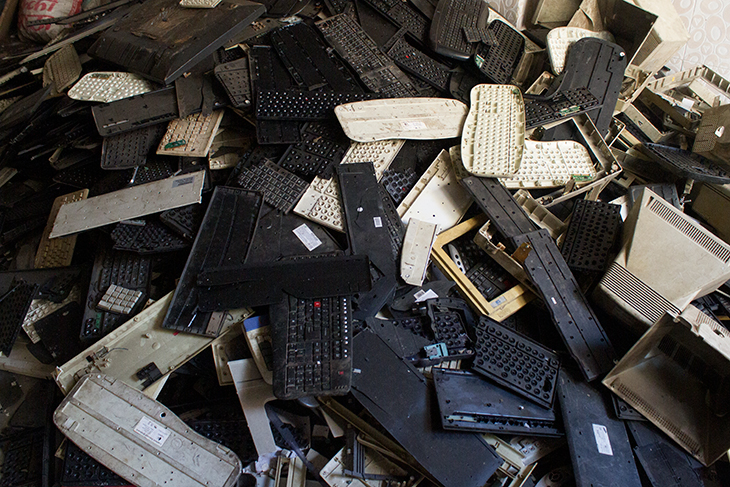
{"points": [[377, 221], [602, 441], [498, 301], [307, 237], [424, 295], [414, 125], [152, 430]]}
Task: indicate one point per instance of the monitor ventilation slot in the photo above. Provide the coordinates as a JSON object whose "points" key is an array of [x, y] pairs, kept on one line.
{"points": [[647, 302], [697, 235]]}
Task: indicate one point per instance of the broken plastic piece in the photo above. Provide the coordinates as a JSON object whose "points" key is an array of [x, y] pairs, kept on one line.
{"points": [[312, 355], [436, 197], [136, 112], [552, 164], [109, 86], [593, 230], [539, 214], [126, 431], [128, 203], [402, 118], [62, 69], [516, 362], [560, 39], [13, 308], [130, 149], [468, 402], [235, 78], [163, 54], [281, 189], [199, 3], [419, 63], [416, 254], [258, 337], [451, 25], [58, 252], [577, 324], [191, 136], [499, 60], [494, 132]]}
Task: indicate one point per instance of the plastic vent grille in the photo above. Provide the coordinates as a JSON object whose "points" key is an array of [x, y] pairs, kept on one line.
{"points": [[638, 295], [647, 410], [698, 236]]}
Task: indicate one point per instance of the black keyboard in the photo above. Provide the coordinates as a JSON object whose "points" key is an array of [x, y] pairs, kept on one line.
{"points": [[498, 62], [376, 70], [457, 25], [311, 341]]}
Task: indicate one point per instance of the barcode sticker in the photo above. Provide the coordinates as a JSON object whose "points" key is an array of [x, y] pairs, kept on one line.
{"points": [[424, 295], [307, 237], [378, 222], [152, 430], [414, 125], [183, 181], [602, 441]]}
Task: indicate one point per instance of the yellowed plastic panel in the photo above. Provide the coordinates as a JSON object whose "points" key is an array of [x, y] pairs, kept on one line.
{"points": [[493, 138], [136, 344], [561, 38], [416, 252], [437, 197], [402, 118], [129, 203], [140, 439], [552, 164], [191, 136], [58, 252]]}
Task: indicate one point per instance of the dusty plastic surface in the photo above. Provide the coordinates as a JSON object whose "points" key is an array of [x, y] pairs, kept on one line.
{"points": [[552, 164], [136, 344], [140, 439], [191, 136], [493, 138], [109, 86], [539, 214], [561, 38], [672, 377], [129, 203], [322, 203], [417, 245], [58, 252], [437, 197], [402, 118], [199, 3], [62, 69]]}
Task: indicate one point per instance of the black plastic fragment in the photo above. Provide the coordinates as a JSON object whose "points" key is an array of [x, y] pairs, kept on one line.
{"points": [[310, 64], [399, 183], [184, 220], [593, 230], [14, 306], [223, 240], [578, 326], [23, 458], [686, 164], [401, 400], [146, 237], [404, 16], [499, 60], [368, 232], [497, 202], [453, 22], [130, 149], [148, 374], [162, 40], [419, 63], [303, 106], [312, 346], [599, 445], [375, 69], [624, 410], [135, 112], [259, 284], [125, 269], [489, 278], [516, 362], [236, 79], [281, 189], [322, 147], [468, 402], [59, 332]]}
